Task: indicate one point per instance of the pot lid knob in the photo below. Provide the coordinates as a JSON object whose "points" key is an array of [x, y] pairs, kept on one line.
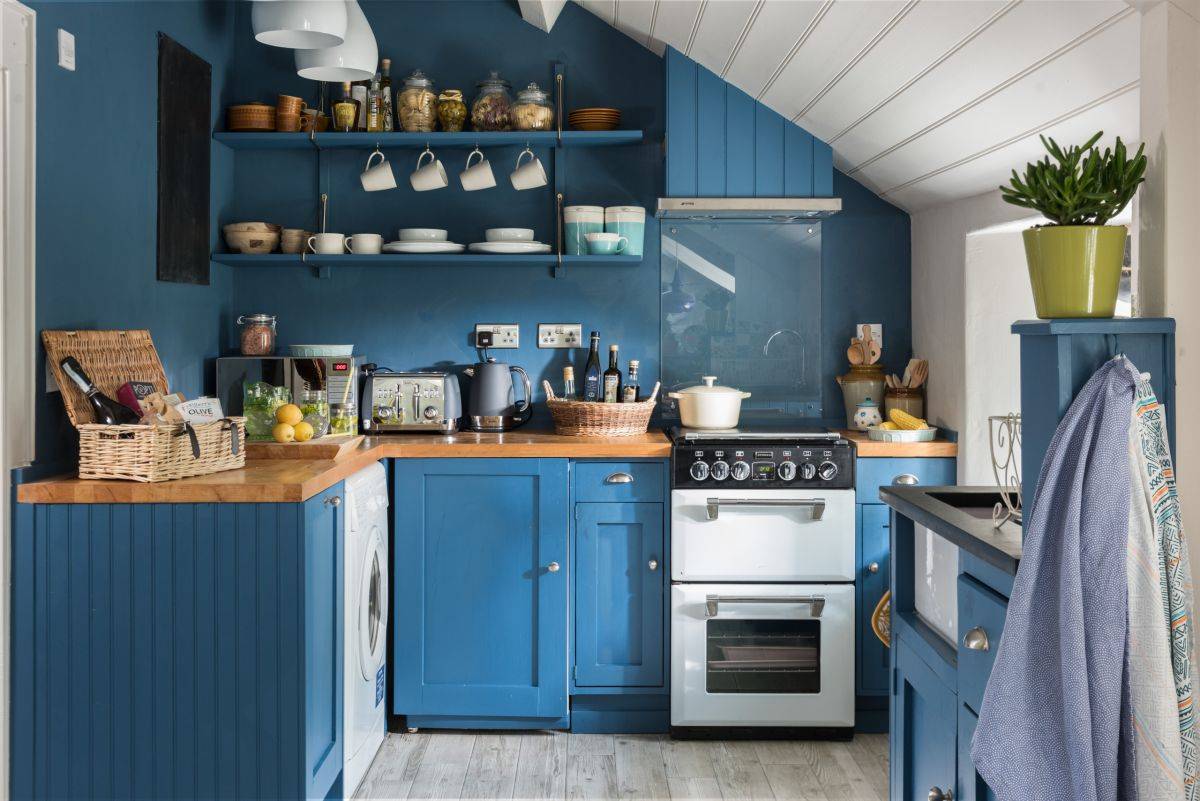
{"points": [[708, 380]]}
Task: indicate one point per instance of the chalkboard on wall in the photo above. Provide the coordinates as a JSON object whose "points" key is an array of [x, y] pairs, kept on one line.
{"points": [[184, 109]]}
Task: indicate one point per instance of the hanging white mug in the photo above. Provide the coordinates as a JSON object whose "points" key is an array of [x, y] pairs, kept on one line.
{"points": [[378, 177], [529, 175], [428, 176], [478, 176]]}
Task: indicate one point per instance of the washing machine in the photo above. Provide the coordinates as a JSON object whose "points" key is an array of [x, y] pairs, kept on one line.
{"points": [[366, 605]]}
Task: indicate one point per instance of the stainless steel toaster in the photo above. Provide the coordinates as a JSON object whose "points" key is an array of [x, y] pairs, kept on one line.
{"points": [[397, 402]]}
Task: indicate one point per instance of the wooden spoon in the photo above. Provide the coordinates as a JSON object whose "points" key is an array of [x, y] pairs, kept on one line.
{"points": [[854, 352], [907, 381]]}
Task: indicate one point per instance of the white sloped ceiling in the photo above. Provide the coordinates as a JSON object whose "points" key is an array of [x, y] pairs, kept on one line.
{"points": [[923, 101]]}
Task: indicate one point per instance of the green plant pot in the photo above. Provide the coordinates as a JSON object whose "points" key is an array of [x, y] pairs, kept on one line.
{"points": [[1075, 270]]}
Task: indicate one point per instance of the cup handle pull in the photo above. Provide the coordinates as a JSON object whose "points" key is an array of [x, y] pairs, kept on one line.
{"points": [[371, 158], [421, 158], [524, 152], [622, 243], [474, 153], [349, 249], [312, 244]]}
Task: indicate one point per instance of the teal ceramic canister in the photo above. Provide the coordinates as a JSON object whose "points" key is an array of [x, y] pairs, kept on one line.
{"points": [[578, 222], [629, 222]]}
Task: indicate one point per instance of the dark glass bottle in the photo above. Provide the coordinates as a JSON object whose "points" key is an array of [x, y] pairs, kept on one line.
{"points": [[591, 373], [630, 391], [612, 378], [105, 409]]}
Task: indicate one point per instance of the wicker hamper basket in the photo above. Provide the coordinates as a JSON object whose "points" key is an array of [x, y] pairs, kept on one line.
{"points": [[573, 418], [136, 452]]}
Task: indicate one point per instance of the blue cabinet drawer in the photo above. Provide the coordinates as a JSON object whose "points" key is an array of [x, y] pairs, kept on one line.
{"points": [[873, 473], [981, 615], [619, 481]]}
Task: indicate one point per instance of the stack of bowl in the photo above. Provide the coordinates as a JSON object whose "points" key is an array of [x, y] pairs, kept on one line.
{"points": [[594, 119], [252, 237]]}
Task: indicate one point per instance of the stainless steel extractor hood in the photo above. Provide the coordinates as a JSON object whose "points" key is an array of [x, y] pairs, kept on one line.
{"points": [[763, 209]]}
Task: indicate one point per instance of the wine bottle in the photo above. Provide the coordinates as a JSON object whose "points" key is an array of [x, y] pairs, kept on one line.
{"points": [[630, 391], [591, 373], [612, 378], [104, 409]]}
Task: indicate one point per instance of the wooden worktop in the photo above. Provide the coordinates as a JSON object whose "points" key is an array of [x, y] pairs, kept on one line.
{"points": [[868, 448], [295, 480]]}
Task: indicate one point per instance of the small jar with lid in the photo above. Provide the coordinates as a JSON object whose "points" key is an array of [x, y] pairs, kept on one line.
{"points": [[533, 110], [343, 418], [451, 110], [490, 111], [257, 334], [416, 106]]}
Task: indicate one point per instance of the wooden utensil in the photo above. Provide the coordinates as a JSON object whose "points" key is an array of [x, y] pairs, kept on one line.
{"points": [[871, 349], [920, 373], [907, 381], [854, 352]]}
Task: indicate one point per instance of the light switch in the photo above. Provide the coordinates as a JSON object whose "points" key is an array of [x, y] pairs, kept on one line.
{"points": [[560, 335], [66, 50]]}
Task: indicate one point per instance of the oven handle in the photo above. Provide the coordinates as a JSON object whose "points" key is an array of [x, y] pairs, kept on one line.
{"points": [[712, 603], [817, 505]]}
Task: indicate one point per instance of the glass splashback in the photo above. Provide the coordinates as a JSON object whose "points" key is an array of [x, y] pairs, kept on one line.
{"points": [[742, 301]]}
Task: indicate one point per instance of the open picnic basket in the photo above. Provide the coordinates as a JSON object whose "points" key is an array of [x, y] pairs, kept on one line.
{"points": [[575, 418], [136, 452]]}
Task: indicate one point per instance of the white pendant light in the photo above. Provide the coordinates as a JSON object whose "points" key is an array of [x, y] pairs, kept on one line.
{"points": [[356, 59], [299, 24]]}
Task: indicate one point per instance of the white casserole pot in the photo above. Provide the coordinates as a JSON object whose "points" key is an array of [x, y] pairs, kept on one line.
{"points": [[709, 406]]}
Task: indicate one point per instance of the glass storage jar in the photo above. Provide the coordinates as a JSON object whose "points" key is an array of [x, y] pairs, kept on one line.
{"points": [[490, 111], [906, 399], [416, 106], [451, 110], [343, 418], [257, 334], [260, 401], [314, 405], [533, 110]]}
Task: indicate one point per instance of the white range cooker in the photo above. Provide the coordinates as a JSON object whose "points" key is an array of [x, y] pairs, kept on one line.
{"points": [[762, 582]]}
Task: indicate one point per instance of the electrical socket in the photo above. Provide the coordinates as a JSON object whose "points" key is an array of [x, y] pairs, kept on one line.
{"points": [[876, 332], [504, 335], [560, 335]]}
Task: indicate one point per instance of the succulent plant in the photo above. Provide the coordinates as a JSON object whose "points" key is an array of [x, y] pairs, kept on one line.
{"points": [[1081, 186]]}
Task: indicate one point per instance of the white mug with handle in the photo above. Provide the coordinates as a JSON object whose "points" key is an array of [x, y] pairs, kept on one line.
{"points": [[327, 244], [477, 176], [378, 177], [428, 176], [361, 244], [530, 174]]}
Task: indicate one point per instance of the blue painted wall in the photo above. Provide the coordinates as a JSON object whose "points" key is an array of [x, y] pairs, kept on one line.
{"points": [[97, 188]]}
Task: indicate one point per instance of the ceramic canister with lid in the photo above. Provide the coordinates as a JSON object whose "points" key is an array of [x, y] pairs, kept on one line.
{"points": [[709, 406], [578, 222], [629, 222]]}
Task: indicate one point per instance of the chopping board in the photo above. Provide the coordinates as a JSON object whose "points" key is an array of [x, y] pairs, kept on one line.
{"points": [[324, 448]]}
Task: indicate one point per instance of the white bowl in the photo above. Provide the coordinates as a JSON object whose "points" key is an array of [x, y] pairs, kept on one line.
{"points": [[917, 435], [422, 235], [509, 234]]}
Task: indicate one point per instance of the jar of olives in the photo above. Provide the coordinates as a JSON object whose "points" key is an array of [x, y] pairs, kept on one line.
{"points": [[490, 111], [416, 106], [451, 110], [533, 110]]}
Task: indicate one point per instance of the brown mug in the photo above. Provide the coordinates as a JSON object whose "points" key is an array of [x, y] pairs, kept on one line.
{"points": [[287, 122], [290, 104], [312, 118]]}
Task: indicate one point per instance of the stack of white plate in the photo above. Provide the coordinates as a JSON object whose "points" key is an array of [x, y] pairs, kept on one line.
{"points": [[423, 240], [511, 241]]}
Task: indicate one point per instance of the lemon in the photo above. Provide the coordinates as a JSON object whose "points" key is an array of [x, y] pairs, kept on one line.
{"points": [[289, 413], [283, 432], [304, 432]]}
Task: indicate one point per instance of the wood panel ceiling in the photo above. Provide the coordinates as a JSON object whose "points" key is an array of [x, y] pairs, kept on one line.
{"points": [[924, 101]]}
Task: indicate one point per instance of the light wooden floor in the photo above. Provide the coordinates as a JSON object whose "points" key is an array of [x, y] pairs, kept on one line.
{"points": [[545, 765]]}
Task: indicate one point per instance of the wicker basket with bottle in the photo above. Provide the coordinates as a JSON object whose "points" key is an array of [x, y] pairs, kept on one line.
{"points": [[148, 453], [575, 418]]}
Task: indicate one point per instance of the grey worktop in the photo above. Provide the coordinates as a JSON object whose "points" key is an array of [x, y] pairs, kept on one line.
{"points": [[961, 515]]}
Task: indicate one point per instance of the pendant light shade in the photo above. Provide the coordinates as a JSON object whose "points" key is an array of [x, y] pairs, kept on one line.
{"points": [[299, 24], [355, 59]]}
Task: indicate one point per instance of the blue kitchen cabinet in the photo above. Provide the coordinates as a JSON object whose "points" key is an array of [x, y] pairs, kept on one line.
{"points": [[873, 659], [971, 786], [189, 650], [924, 729], [618, 574], [481, 573]]}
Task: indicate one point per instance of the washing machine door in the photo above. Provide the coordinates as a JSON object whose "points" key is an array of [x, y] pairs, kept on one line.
{"points": [[372, 606]]}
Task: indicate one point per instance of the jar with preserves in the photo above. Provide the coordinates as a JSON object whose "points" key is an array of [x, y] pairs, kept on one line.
{"points": [[257, 334], [490, 111], [416, 106], [451, 110], [533, 110]]}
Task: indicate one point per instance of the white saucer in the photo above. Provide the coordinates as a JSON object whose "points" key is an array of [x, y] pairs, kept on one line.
{"points": [[509, 247], [423, 247]]}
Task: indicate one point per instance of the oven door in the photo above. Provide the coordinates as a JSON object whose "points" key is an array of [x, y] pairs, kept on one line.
{"points": [[762, 535], [762, 655]]}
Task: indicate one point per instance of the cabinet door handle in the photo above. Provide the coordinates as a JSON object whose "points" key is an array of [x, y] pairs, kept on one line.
{"points": [[938, 794], [335, 501], [976, 639], [873, 567], [906, 479], [619, 478], [652, 564], [553, 567]]}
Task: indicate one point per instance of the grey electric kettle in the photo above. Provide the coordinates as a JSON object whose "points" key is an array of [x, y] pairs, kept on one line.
{"points": [[492, 406]]}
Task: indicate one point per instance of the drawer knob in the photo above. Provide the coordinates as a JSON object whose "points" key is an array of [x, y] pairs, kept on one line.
{"points": [[976, 639], [906, 479], [553, 567], [938, 794], [335, 501], [652, 564], [619, 478], [873, 567]]}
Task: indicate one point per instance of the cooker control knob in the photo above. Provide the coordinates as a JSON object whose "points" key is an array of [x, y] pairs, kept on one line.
{"points": [[720, 471], [384, 412], [787, 470], [827, 471], [808, 471], [699, 471], [740, 471], [430, 412]]}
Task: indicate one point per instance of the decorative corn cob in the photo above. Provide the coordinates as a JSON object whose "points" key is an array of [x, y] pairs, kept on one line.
{"points": [[905, 421]]}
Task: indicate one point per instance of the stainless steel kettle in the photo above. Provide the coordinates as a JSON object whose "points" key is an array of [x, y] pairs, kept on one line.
{"points": [[492, 405]]}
